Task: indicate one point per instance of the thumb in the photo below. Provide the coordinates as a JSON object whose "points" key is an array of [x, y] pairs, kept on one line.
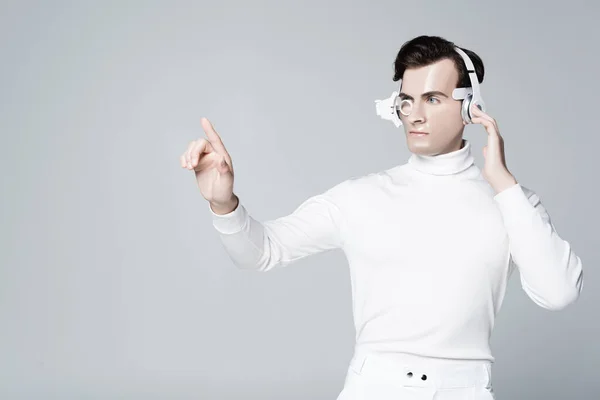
{"points": [[485, 151]]}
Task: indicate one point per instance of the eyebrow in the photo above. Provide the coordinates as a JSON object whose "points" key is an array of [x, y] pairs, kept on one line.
{"points": [[403, 95]]}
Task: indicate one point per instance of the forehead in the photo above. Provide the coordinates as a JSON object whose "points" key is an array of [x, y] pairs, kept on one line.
{"points": [[441, 75]]}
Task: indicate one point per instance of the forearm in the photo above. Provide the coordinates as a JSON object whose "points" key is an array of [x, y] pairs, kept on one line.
{"points": [[551, 273], [242, 237], [312, 228]]}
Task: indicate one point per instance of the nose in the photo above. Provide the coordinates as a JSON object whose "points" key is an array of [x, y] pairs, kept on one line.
{"points": [[416, 115]]}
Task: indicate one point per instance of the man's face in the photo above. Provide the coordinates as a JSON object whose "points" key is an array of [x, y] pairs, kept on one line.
{"points": [[434, 110]]}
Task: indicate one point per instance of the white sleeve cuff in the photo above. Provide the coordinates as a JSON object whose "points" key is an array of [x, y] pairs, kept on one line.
{"points": [[232, 222], [514, 205]]}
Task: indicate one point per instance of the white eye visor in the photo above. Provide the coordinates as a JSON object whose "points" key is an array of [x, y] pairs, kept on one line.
{"points": [[391, 108]]}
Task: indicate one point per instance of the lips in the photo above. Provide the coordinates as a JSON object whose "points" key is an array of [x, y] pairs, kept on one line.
{"points": [[418, 133]]}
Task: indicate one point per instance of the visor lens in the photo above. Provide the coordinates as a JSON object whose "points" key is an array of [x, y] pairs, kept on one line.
{"points": [[404, 107]]}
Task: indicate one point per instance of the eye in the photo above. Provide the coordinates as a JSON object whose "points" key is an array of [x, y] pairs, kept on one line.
{"points": [[434, 98]]}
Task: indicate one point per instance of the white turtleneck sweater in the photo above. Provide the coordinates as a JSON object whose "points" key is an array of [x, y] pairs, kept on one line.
{"points": [[430, 248]]}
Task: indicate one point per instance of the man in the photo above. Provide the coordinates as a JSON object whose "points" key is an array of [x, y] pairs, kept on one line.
{"points": [[431, 243]]}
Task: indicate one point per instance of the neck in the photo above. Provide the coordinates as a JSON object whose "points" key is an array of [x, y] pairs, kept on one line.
{"points": [[449, 163]]}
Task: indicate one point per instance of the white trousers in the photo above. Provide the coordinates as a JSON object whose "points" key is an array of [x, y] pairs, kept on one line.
{"points": [[403, 377]]}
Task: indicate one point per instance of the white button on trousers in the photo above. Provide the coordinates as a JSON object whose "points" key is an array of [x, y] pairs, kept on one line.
{"points": [[374, 376]]}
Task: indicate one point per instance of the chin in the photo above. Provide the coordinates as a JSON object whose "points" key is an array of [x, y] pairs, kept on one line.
{"points": [[423, 148], [432, 145]]}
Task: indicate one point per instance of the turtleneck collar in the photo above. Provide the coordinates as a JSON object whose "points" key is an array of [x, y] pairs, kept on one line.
{"points": [[444, 164]]}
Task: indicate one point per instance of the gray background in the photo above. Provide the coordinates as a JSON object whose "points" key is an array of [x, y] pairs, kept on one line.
{"points": [[113, 283]]}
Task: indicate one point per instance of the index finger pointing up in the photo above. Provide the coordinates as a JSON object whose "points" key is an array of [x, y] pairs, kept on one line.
{"points": [[213, 137]]}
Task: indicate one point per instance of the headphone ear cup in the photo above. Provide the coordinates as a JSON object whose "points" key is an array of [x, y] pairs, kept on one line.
{"points": [[465, 111]]}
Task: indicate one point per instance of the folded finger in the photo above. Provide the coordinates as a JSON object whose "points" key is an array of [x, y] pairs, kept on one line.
{"points": [[201, 147]]}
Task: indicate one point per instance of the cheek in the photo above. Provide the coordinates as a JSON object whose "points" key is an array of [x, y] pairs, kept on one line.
{"points": [[446, 117]]}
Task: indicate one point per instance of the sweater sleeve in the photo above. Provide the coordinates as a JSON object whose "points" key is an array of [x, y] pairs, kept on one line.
{"points": [[313, 227], [550, 272]]}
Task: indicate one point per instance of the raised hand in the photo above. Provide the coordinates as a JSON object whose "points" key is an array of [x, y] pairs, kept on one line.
{"points": [[495, 170], [211, 162]]}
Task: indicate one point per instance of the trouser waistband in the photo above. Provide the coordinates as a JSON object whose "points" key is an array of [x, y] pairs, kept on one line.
{"points": [[409, 370]]}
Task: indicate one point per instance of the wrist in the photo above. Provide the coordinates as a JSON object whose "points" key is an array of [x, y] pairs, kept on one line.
{"points": [[225, 208], [504, 183]]}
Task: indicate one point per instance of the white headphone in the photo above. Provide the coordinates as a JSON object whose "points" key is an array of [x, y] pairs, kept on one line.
{"points": [[388, 108]]}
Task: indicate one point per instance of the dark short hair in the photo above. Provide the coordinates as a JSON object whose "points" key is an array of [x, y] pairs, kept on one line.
{"points": [[425, 50]]}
